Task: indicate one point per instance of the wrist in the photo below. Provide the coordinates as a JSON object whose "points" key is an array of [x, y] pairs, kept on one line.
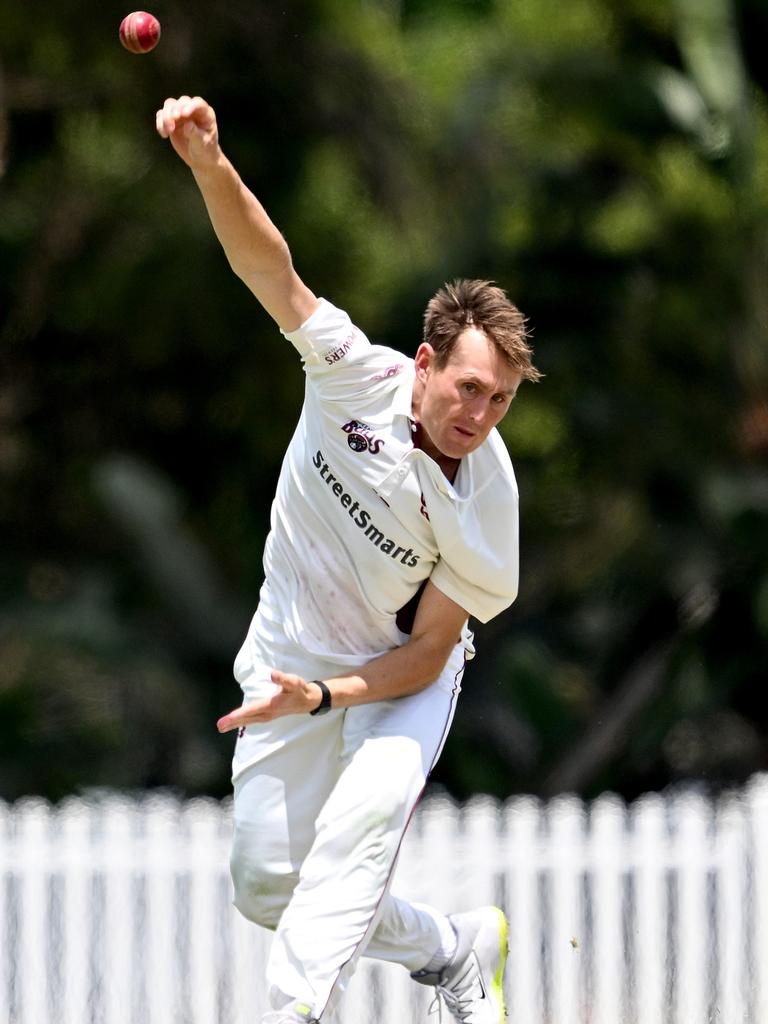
{"points": [[325, 698], [212, 165]]}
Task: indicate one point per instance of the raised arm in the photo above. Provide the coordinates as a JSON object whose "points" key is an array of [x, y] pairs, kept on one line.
{"points": [[256, 250]]}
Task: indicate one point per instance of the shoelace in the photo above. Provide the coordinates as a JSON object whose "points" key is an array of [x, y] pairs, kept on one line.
{"points": [[459, 1003], [460, 1008], [436, 1006]]}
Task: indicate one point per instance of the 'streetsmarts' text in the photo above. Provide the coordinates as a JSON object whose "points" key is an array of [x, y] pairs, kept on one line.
{"points": [[361, 517]]}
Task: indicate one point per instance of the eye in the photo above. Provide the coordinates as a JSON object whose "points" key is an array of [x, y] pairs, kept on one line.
{"points": [[470, 387]]}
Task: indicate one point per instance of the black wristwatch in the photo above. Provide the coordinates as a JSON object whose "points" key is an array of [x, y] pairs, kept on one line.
{"points": [[325, 703]]}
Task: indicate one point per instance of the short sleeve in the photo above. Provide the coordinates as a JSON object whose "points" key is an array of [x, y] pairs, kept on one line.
{"points": [[328, 339], [482, 599], [478, 539]]}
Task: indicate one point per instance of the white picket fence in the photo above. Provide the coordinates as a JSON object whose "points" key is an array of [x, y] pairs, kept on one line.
{"points": [[117, 910]]}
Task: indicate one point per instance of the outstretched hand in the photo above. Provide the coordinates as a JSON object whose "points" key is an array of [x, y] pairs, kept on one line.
{"points": [[295, 697], [190, 123]]}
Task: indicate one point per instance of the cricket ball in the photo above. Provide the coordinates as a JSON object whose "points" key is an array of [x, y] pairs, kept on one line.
{"points": [[140, 32]]}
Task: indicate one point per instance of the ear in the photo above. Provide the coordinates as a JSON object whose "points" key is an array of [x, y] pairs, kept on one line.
{"points": [[423, 360]]}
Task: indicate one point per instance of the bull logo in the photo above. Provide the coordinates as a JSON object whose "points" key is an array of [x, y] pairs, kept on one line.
{"points": [[357, 443], [361, 438]]}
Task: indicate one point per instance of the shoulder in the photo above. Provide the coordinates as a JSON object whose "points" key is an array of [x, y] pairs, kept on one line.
{"points": [[341, 364]]}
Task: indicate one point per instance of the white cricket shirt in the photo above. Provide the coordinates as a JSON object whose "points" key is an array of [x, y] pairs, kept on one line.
{"points": [[361, 517]]}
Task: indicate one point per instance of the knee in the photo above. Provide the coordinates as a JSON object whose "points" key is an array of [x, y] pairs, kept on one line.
{"points": [[261, 889]]}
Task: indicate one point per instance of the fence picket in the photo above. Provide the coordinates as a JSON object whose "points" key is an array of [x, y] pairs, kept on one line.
{"points": [[478, 867], [693, 933], [732, 897], [201, 821], [607, 853], [442, 875], [160, 951], [6, 939], [34, 833], [74, 840], [244, 988], [523, 821], [757, 801], [566, 922], [647, 978], [117, 831]]}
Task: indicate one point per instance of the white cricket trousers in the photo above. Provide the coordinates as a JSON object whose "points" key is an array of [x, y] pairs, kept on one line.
{"points": [[321, 808]]}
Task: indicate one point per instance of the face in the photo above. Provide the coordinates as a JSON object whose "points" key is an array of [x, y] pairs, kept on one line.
{"points": [[459, 405]]}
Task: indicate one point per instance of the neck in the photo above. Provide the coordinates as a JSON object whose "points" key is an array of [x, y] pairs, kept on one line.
{"points": [[421, 439], [450, 467]]}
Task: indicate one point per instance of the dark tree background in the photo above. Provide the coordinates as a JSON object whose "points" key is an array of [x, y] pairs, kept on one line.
{"points": [[604, 161]]}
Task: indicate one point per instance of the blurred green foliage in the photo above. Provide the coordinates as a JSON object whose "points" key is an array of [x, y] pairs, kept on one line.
{"points": [[604, 161]]}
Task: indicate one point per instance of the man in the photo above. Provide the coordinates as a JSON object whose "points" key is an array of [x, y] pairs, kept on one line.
{"points": [[395, 518]]}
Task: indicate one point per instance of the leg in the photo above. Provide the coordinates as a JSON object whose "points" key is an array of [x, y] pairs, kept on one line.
{"points": [[389, 749], [409, 934], [285, 772]]}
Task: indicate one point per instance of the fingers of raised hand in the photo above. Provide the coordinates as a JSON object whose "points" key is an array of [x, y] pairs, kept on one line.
{"points": [[167, 117], [181, 110]]}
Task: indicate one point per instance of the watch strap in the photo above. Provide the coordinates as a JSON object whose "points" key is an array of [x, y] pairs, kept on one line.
{"points": [[325, 701]]}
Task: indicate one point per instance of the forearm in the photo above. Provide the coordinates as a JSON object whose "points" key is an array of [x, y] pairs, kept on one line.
{"points": [[256, 250], [398, 673], [252, 243]]}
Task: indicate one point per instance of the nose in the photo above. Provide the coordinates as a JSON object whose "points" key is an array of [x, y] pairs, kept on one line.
{"points": [[478, 412]]}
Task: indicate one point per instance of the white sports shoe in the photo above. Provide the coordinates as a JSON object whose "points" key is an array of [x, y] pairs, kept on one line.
{"points": [[471, 984], [299, 1013]]}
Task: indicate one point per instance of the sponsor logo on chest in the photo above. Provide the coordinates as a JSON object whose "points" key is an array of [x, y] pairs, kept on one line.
{"points": [[362, 517]]}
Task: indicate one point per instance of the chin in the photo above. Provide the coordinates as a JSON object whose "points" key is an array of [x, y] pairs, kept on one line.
{"points": [[454, 451]]}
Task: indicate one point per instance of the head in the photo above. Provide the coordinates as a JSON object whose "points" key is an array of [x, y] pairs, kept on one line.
{"points": [[486, 307], [473, 358]]}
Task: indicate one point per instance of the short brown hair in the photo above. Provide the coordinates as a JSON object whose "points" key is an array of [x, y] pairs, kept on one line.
{"points": [[481, 304]]}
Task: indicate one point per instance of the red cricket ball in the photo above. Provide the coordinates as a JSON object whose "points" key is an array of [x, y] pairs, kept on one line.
{"points": [[140, 32]]}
